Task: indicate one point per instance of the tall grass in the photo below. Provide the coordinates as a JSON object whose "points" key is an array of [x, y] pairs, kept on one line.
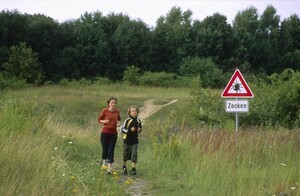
{"points": [[49, 145], [202, 162]]}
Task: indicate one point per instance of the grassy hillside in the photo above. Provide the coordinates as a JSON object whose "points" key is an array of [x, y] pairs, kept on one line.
{"points": [[49, 145]]}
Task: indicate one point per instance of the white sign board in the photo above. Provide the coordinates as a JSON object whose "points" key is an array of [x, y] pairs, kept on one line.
{"points": [[237, 106]]}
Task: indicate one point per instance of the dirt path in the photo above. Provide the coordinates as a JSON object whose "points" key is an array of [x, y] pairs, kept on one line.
{"points": [[149, 108], [136, 189]]}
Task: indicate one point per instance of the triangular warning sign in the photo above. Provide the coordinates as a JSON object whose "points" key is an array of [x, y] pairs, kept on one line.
{"points": [[237, 87]]}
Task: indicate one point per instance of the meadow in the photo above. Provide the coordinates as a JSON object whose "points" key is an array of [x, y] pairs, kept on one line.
{"points": [[49, 145]]}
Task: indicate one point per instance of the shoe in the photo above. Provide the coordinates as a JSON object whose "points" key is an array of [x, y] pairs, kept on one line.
{"points": [[104, 167], [125, 170], [133, 171], [108, 172], [104, 164]]}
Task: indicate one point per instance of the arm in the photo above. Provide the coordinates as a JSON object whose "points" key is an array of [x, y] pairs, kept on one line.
{"points": [[123, 127], [101, 118]]}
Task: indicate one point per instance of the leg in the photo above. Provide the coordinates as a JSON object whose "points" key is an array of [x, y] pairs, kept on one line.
{"points": [[134, 158], [111, 151], [111, 147], [126, 156], [104, 143]]}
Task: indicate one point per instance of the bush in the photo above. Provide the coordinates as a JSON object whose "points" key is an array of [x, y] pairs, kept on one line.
{"points": [[157, 79], [131, 75], [11, 83], [276, 102], [210, 75]]}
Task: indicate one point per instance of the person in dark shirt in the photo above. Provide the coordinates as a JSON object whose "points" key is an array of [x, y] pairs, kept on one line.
{"points": [[131, 128]]}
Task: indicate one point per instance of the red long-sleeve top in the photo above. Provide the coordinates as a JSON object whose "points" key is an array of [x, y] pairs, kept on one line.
{"points": [[113, 117]]}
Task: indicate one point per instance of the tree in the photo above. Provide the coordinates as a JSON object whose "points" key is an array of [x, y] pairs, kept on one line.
{"points": [[23, 64], [214, 38], [245, 28], [267, 40], [171, 40], [289, 43]]}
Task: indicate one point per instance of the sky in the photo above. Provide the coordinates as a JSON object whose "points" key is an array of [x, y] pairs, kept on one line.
{"points": [[147, 10]]}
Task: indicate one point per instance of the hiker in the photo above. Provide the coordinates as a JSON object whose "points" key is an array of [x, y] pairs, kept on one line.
{"points": [[131, 128], [109, 118]]}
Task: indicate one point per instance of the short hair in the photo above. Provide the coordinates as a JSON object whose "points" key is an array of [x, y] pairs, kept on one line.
{"points": [[133, 106], [111, 98]]}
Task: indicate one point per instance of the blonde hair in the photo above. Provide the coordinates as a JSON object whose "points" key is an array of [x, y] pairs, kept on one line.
{"points": [[133, 106]]}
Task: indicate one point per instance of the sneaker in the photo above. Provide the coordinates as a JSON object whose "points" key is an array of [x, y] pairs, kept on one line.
{"points": [[125, 170], [133, 171], [108, 172], [104, 165]]}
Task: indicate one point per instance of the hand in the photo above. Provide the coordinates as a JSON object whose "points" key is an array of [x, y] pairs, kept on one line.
{"points": [[139, 129], [132, 128], [105, 121]]}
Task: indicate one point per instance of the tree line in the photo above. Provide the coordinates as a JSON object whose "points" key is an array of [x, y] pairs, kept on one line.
{"points": [[36, 48]]}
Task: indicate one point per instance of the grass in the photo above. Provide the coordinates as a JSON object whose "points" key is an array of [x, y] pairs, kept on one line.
{"points": [[49, 145]]}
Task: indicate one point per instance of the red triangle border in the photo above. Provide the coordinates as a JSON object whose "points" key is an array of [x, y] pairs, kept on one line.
{"points": [[237, 74]]}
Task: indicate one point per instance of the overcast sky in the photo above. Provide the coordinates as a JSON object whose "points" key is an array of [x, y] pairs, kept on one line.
{"points": [[147, 10]]}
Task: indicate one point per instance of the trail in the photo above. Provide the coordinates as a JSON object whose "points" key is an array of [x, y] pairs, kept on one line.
{"points": [[148, 109]]}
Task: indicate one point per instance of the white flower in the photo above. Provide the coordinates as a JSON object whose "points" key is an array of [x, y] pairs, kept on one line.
{"points": [[293, 188], [70, 142], [55, 148], [283, 164]]}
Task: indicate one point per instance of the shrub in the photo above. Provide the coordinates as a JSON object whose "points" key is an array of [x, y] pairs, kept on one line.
{"points": [[131, 75], [276, 102], [210, 75], [12, 83], [157, 79]]}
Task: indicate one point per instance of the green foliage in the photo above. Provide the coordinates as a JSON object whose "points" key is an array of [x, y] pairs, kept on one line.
{"points": [[207, 109], [11, 83], [157, 79], [23, 64], [132, 75], [210, 74], [21, 117], [277, 102]]}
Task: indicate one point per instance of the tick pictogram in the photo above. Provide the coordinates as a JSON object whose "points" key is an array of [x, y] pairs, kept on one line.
{"points": [[236, 86]]}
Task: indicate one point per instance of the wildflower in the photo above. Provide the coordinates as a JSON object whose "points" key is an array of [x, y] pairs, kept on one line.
{"points": [[55, 148], [63, 136], [129, 181], [117, 178], [73, 177], [293, 188], [74, 191], [104, 167], [63, 174], [283, 164], [115, 173], [70, 142]]}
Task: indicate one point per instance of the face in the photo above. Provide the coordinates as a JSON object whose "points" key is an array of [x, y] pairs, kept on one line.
{"points": [[133, 112], [112, 104]]}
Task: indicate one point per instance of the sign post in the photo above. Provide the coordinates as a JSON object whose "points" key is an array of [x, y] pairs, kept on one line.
{"points": [[237, 87]]}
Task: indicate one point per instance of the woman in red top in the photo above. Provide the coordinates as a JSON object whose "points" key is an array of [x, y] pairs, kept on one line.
{"points": [[109, 117]]}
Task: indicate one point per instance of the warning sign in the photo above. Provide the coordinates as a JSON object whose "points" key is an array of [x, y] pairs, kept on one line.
{"points": [[237, 87]]}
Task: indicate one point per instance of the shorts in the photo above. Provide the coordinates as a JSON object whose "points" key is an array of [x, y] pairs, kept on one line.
{"points": [[130, 152]]}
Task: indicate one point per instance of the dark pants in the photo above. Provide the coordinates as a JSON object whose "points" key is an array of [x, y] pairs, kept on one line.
{"points": [[108, 143], [130, 152]]}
